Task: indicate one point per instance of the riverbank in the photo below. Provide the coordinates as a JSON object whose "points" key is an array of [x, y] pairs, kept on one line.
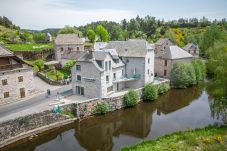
{"points": [[209, 139]]}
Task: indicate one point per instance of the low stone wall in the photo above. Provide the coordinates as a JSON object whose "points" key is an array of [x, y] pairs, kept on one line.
{"points": [[20, 125], [47, 80], [87, 108], [45, 53]]}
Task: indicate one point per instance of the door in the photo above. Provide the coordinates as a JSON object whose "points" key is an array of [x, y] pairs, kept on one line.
{"points": [[79, 90], [22, 92]]}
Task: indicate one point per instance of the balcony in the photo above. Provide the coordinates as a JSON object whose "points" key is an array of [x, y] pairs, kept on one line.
{"points": [[10, 66], [126, 78]]}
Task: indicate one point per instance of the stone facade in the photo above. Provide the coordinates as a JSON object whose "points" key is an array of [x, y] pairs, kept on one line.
{"points": [[61, 49], [20, 125], [163, 70], [13, 86]]}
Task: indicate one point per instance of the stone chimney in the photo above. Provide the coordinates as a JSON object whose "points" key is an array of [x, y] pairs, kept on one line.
{"points": [[90, 54]]}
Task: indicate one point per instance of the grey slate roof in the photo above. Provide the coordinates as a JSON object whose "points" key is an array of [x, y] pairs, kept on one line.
{"points": [[175, 52], [73, 55], [190, 46], [99, 55], [5, 52], [130, 48], [63, 39], [162, 41]]}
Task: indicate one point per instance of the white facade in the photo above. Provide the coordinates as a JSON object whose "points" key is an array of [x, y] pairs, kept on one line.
{"points": [[102, 76]]}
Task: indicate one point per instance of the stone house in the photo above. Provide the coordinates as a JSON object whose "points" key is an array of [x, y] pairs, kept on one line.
{"points": [[192, 49], [16, 77], [164, 60], [67, 43], [100, 73], [162, 44]]}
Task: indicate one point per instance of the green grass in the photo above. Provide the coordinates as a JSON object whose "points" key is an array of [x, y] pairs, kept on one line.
{"points": [[28, 47], [206, 139], [52, 75], [67, 113]]}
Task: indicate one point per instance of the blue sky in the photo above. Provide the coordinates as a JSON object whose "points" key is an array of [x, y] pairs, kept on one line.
{"points": [[41, 14]]}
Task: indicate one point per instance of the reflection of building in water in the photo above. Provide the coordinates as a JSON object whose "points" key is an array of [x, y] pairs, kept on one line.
{"points": [[169, 103], [94, 135]]}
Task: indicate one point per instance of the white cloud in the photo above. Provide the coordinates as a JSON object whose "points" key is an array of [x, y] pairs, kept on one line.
{"points": [[40, 14]]}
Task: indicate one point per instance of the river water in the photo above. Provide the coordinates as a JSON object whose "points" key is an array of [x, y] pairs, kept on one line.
{"points": [[179, 109]]}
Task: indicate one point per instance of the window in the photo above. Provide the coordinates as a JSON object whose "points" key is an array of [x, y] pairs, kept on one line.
{"points": [[109, 65], [122, 71], [20, 79], [77, 48], [126, 49], [109, 89], [148, 60], [62, 49], [79, 90], [4, 82], [107, 79], [6, 94], [78, 68], [148, 71], [165, 72], [194, 51], [78, 78], [165, 62], [106, 66], [114, 76]]}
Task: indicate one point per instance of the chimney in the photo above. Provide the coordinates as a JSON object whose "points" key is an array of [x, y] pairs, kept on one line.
{"points": [[90, 54]]}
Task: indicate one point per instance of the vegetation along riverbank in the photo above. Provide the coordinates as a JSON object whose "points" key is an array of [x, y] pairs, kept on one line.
{"points": [[208, 139]]}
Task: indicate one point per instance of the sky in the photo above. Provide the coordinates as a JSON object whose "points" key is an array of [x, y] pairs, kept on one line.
{"points": [[42, 14]]}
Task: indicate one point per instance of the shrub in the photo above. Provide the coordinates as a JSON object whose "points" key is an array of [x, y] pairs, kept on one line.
{"points": [[102, 108], [39, 64], [150, 92], [131, 98], [200, 69], [182, 75], [163, 88], [68, 65]]}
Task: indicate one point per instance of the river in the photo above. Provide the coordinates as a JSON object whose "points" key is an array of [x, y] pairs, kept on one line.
{"points": [[179, 109]]}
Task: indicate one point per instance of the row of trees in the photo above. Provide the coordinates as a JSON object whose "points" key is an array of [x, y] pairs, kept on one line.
{"points": [[4, 21], [183, 75], [22, 37]]}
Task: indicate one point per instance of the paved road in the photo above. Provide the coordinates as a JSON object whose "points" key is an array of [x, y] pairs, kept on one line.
{"points": [[35, 104]]}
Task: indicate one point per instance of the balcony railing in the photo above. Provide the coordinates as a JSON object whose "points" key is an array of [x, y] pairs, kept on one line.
{"points": [[126, 78], [10, 66]]}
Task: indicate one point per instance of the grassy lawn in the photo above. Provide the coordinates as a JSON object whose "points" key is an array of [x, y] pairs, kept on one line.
{"points": [[52, 75], [206, 139], [28, 47]]}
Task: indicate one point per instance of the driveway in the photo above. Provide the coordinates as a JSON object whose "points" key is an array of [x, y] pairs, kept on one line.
{"points": [[35, 104]]}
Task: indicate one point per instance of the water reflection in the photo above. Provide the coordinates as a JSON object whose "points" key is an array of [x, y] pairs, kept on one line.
{"points": [[176, 110]]}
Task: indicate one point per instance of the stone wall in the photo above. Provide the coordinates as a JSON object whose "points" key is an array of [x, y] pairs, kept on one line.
{"points": [[47, 80], [87, 108], [45, 53], [20, 125]]}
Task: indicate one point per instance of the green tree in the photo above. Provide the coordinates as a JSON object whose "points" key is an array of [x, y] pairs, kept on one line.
{"points": [[39, 64], [102, 33], [150, 92], [68, 65], [91, 35], [182, 75], [70, 30], [39, 37], [200, 69]]}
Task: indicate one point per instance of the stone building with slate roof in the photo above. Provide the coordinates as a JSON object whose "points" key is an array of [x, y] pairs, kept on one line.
{"points": [[16, 77], [162, 44], [67, 43], [192, 49], [164, 60], [115, 67]]}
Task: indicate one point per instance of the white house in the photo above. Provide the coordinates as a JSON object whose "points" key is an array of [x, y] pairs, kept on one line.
{"points": [[120, 65]]}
